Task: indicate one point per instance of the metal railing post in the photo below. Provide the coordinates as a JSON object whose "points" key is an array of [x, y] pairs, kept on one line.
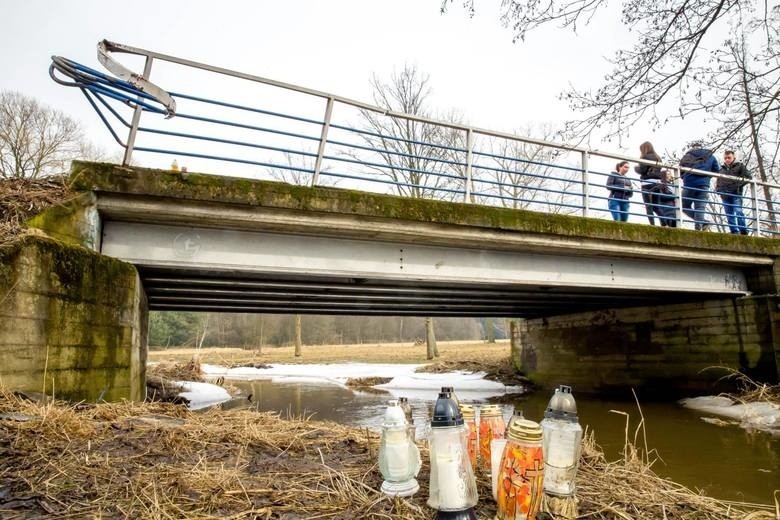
{"points": [[323, 139], [469, 159], [678, 181], [136, 119], [756, 207], [585, 185]]}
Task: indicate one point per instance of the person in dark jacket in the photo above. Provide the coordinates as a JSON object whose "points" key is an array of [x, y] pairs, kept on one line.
{"points": [[663, 201], [696, 186], [620, 191], [649, 176], [730, 191]]}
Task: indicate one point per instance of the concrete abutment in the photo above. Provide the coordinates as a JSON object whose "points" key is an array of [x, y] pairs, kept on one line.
{"points": [[666, 350], [73, 323]]}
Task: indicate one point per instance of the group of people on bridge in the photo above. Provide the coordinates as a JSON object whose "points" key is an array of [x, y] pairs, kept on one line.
{"points": [[660, 201]]}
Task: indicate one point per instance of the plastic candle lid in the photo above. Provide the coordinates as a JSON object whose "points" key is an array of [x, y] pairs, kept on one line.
{"points": [[467, 410], [394, 415], [490, 410], [525, 430]]}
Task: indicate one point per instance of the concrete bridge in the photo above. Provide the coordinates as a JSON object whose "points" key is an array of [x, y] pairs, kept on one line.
{"points": [[601, 305]]}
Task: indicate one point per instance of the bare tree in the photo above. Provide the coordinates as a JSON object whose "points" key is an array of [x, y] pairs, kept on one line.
{"points": [[743, 98], [298, 342], [421, 160], [672, 46], [430, 339], [299, 170], [490, 332], [36, 140], [521, 175]]}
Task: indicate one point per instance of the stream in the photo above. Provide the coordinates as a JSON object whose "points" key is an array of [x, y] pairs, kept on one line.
{"points": [[725, 462]]}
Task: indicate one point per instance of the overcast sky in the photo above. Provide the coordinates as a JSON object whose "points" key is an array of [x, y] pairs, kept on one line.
{"points": [[332, 46]]}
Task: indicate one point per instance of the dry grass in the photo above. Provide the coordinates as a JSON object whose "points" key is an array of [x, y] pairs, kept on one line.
{"points": [[491, 354], [189, 371], [162, 461], [21, 199], [752, 391]]}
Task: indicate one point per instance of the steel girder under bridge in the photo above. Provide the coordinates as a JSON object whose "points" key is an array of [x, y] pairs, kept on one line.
{"points": [[203, 269]]}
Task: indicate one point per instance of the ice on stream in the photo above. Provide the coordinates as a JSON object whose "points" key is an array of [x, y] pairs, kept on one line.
{"points": [[203, 395], [752, 416], [403, 378]]}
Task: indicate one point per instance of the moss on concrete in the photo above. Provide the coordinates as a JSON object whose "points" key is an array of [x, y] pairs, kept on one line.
{"points": [[67, 312], [72, 222], [165, 183]]}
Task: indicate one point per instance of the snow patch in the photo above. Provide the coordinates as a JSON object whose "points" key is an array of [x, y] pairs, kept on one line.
{"points": [[403, 378], [202, 395], [751, 416]]}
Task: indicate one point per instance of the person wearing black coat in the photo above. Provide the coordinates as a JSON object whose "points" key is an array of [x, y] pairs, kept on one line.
{"points": [[620, 191], [730, 191], [649, 175], [664, 201]]}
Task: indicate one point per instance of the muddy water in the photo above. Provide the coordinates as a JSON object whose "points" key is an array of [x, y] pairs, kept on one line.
{"points": [[725, 462]]}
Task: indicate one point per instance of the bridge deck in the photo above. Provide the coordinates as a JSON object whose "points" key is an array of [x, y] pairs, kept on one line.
{"points": [[210, 243]]}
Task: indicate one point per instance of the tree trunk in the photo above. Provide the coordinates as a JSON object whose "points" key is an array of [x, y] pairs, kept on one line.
{"points": [[260, 342], [490, 332], [770, 207], [297, 335], [430, 338]]}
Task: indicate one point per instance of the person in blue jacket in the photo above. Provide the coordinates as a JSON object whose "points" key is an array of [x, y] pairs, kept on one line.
{"points": [[696, 186]]}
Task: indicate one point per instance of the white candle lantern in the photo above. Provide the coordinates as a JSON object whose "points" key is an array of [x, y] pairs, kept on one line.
{"points": [[399, 458], [453, 488], [562, 438]]}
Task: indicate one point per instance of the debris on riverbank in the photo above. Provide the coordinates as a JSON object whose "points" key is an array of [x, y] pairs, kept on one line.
{"points": [[755, 407], [157, 460], [185, 383], [502, 371], [21, 199]]}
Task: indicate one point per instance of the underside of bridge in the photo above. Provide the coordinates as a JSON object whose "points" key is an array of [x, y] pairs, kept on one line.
{"points": [[181, 289]]}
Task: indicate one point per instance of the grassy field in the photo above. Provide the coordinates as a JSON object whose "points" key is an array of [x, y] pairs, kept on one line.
{"points": [[451, 352]]}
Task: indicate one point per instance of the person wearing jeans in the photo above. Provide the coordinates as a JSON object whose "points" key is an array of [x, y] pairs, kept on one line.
{"points": [[696, 186], [620, 190], [730, 191]]}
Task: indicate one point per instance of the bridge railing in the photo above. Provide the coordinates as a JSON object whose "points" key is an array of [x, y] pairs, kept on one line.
{"points": [[268, 129]]}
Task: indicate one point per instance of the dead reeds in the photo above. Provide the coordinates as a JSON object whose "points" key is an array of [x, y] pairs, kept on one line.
{"points": [[160, 461], [21, 199]]}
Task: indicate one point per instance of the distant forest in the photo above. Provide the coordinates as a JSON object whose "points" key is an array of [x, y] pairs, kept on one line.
{"points": [[173, 329]]}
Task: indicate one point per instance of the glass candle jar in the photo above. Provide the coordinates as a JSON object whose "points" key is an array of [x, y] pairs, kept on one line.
{"points": [[521, 478], [453, 488], [491, 426], [470, 421], [399, 458]]}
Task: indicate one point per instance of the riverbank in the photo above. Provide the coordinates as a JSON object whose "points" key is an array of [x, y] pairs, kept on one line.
{"points": [[157, 460], [470, 356]]}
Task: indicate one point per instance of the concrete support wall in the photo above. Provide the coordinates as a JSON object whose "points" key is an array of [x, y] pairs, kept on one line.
{"points": [[665, 350], [72, 322]]}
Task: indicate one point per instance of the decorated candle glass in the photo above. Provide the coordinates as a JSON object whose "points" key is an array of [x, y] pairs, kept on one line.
{"points": [[469, 420], [521, 478], [491, 426]]}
